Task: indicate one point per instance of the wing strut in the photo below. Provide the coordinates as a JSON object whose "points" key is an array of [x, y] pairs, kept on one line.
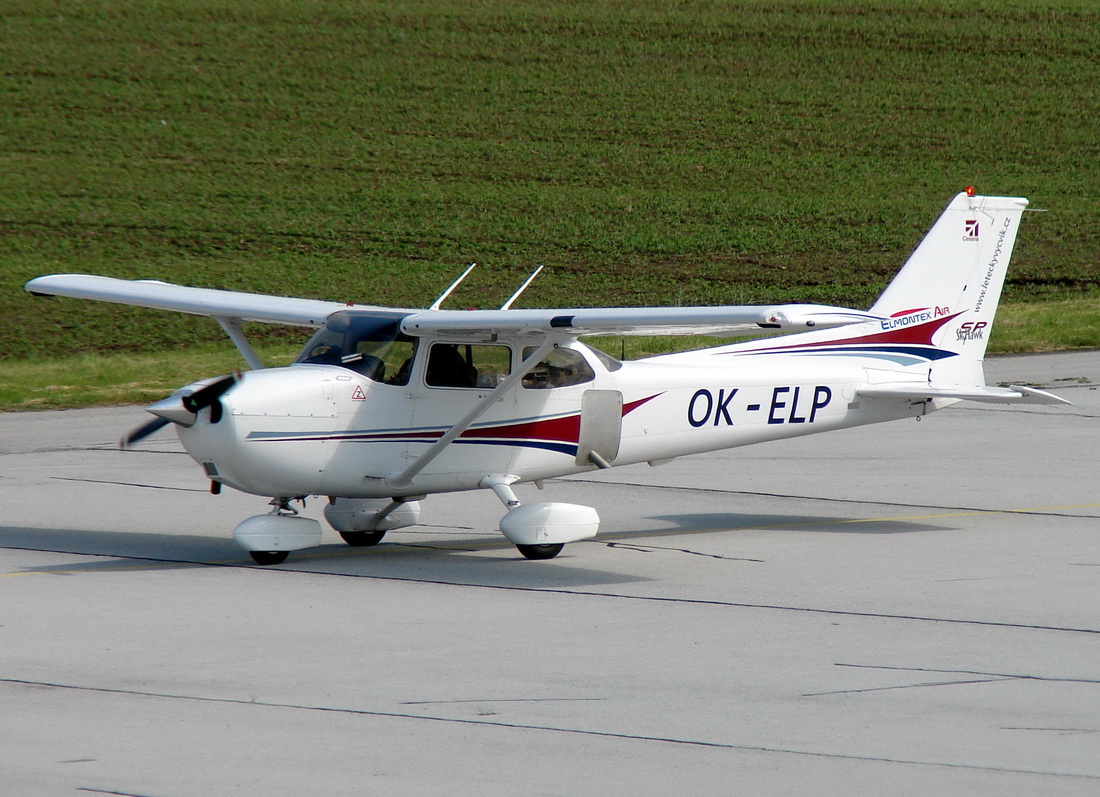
{"points": [[232, 328], [403, 479]]}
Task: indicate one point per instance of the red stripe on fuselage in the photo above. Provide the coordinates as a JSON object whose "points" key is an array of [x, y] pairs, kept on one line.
{"points": [[919, 334], [563, 430]]}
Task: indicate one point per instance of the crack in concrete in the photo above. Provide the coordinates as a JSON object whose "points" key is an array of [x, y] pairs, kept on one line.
{"points": [[908, 686], [628, 546], [1001, 675], [1059, 731], [129, 484]]}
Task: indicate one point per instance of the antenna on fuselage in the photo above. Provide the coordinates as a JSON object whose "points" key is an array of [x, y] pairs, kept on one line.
{"points": [[508, 304], [436, 304]]}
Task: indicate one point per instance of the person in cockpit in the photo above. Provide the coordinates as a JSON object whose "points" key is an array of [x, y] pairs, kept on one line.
{"points": [[448, 368]]}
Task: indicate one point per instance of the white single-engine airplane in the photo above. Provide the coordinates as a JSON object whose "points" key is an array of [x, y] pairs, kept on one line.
{"points": [[386, 406]]}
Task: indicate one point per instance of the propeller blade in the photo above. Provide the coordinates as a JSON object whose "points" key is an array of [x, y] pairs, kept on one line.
{"points": [[183, 409], [142, 432], [204, 397]]}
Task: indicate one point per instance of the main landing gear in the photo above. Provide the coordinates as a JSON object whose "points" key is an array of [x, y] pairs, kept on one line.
{"points": [[540, 531], [362, 539], [363, 522]]}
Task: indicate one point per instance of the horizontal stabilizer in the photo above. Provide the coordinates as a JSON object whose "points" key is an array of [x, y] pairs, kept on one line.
{"points": [[1013, 394]]}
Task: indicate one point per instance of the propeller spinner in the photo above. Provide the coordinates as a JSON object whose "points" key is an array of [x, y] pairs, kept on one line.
{"points": [[183, 409]]}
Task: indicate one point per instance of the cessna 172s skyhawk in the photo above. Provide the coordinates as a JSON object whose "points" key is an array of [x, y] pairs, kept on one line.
{"points": [[385, 406]]}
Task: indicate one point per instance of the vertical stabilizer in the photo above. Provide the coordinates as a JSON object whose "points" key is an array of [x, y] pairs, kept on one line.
{"points": [[957, 272]]}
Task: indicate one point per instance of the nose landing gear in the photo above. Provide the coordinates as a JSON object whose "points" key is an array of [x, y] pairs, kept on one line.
{"points": [[269, 557], [269, 538]]}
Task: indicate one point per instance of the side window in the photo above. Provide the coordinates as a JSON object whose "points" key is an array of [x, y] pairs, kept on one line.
{"points": [[467, 365], [560, 368], [609, 362]]}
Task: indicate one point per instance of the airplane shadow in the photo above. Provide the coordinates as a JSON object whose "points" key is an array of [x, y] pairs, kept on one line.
{"points": [[422, 553], [733, 522], [465, 560], [133, 548]]}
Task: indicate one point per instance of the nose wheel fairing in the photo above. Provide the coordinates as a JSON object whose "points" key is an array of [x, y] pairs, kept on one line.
{"points": [[277, 532]]}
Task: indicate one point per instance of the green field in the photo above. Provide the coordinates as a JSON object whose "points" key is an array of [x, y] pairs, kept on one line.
{"points": [[646, 153]]}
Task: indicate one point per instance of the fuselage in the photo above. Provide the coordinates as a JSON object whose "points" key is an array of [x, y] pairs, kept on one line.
{"points": [[326, 429]]}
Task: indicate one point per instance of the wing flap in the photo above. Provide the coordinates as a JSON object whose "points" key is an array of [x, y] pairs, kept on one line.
{"points": [[1013, 394], [195, 301]]}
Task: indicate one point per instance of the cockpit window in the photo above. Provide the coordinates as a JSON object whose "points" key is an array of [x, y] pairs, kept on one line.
{"points": [[370, 344]]}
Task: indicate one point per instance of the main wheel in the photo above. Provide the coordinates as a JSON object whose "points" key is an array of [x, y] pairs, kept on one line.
{"points": [[361, 539], [269, 557], [540, 551]]}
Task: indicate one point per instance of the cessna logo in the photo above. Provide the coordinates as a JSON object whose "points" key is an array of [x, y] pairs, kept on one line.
{"points": [[971, 233]]}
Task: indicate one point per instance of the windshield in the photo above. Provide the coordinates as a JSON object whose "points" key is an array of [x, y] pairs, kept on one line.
{"points": [[368, 343]]}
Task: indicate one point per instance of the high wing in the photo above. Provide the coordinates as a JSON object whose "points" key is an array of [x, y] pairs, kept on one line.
{"points": [[596, 321], [238, 306], [196, 301]]}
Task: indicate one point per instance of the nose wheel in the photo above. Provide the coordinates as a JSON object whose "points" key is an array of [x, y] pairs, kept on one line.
{"points": [[540, 551], [269, 538], [269, 557]]}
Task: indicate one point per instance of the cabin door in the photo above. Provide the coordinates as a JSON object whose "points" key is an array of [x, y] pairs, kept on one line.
{"points": [[601, 426]]}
